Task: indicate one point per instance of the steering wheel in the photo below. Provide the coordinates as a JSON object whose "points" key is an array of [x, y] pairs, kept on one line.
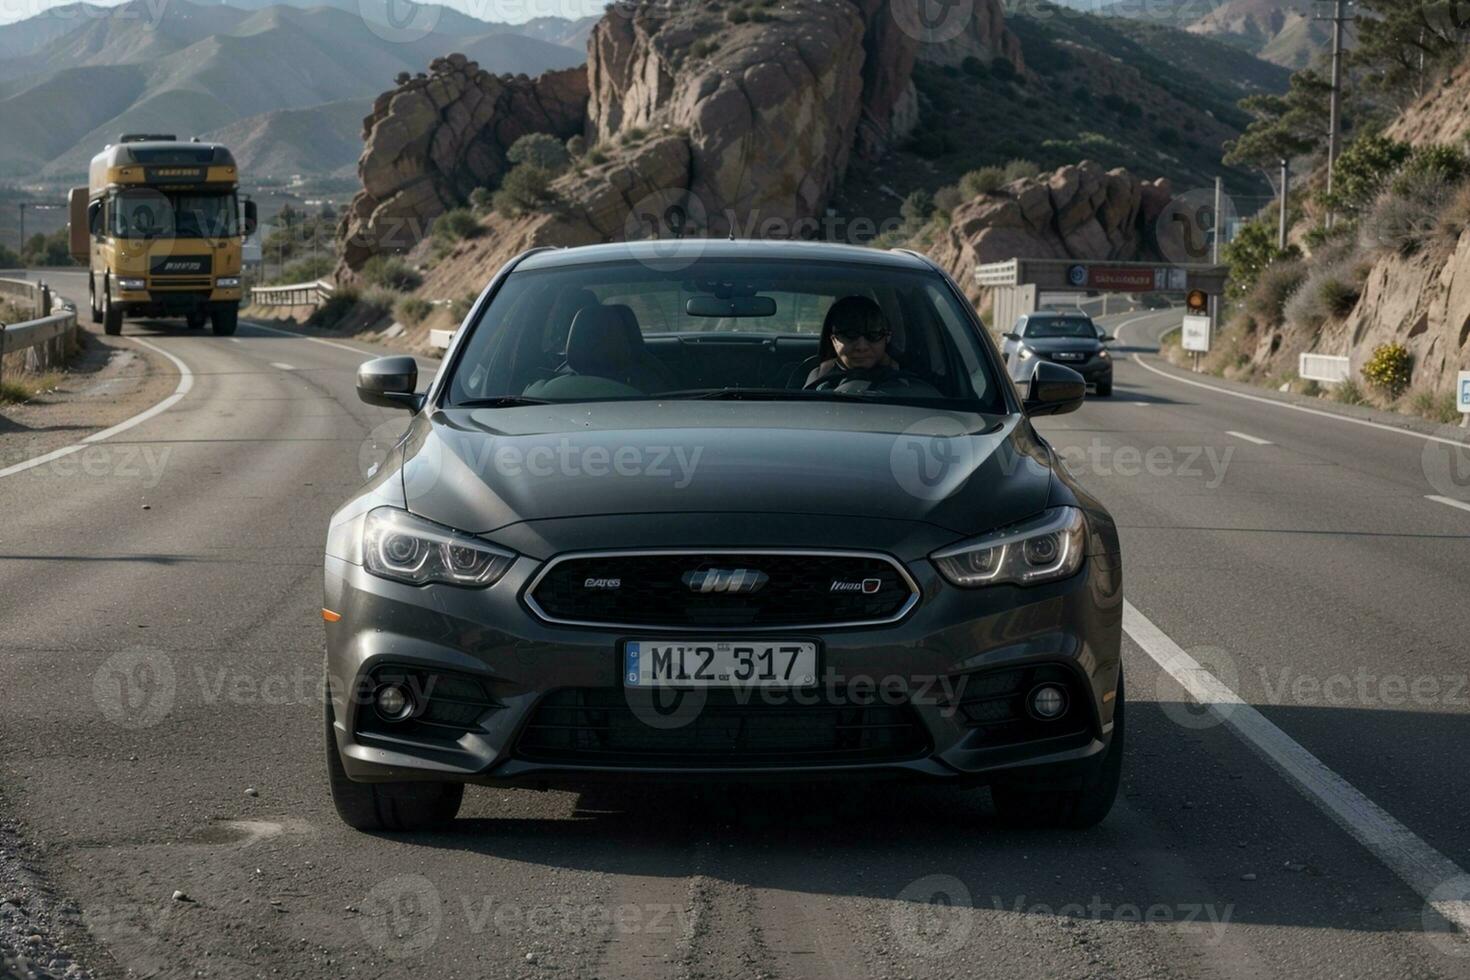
{"points": [[865, 379]]}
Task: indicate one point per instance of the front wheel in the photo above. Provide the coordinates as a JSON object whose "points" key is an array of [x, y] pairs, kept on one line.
{"points": [[111, 315], [1028, 805], [388, 806], [225, 318]]}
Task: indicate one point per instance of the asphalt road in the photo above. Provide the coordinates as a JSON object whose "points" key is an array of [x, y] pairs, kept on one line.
{"points": [[161, 649]]}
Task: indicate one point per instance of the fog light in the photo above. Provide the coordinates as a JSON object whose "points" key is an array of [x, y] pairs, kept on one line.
{"points": [[394, 703], [1048, 702]]}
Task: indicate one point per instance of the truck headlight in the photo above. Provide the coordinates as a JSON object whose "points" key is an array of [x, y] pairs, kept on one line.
{"points": [[228, 282], [397, 545], [1043, 549], [132, 285]]}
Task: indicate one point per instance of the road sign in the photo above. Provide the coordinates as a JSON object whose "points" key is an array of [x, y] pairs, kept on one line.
{"points": [[1197, 333], [1464, 392]]}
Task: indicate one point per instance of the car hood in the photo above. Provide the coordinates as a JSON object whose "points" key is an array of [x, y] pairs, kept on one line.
{"points": [[1052, 345], [481, 470]]}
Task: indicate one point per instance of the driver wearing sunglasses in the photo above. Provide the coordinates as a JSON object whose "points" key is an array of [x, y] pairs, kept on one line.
{"points": [[854, 345]]}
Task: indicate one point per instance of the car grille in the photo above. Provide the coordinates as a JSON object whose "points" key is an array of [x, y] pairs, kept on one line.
{"points": [[171, 283], [704, 590], [730, 729]]}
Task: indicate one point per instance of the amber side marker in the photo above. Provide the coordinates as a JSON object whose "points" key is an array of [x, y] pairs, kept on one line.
{"points": [[330, 616]]}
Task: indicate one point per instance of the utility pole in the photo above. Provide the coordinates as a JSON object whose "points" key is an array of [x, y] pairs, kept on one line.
{"points": [[1334, 110], [1285, 195]]}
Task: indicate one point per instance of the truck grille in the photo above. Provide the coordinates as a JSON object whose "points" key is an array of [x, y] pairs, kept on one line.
{"points": [[608, 727], [718, 590]]}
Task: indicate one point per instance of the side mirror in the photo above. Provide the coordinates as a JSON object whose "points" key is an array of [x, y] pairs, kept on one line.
{"points": [[252, 219], [1106, 339], [1054, 390], [390, 382], [1011, 336]]}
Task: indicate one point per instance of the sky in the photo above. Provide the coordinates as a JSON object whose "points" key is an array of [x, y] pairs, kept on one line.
{"points": [[500, 11]]}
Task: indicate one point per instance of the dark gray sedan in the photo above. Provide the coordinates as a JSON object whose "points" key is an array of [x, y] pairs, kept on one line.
{"points": [[722, 510]]}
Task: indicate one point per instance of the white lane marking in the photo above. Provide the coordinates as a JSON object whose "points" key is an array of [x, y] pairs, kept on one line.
{"points": [[234, 340], [314, 340], [1420, 866], [1138, 319], [1242, 435], [1302, 408], [186, 382], [1144, 404], [283, 367], [1448, 501]]}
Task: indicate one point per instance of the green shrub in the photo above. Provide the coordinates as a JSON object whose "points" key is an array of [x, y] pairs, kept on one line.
{"points": [[1435, 160], [946, 199], [986, 180], [974, 67], [1339, 296], [597, 156], [1363, 170], [1274, 287], [577, 147], [306, 270], [1348, 393], [1435, 406], [482, 200], [1389, 369], [412, 310], [460, 308], [525, 189], [391, 273], [703, 47], [1250, 252], [457, 225], [737, 15], [540, 150], [1454, 220], [917, 207], [1020, 170], [1002, 69], [1407, 216], [347, 302]]}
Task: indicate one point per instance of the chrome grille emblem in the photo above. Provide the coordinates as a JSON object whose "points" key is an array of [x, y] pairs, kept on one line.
{"points": [[738, 580]]}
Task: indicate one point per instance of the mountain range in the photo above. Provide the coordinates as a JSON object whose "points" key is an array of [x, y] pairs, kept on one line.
{"points": [[286, 85]]}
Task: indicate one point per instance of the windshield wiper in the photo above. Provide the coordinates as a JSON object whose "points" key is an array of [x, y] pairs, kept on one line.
{"points": [[503, 401]]}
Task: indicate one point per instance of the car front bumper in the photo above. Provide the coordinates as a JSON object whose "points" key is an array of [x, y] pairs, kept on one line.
{"points": [[944, 649]]}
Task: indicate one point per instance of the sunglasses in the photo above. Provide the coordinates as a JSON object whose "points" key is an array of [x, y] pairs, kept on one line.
{"points": [[872, 336]]}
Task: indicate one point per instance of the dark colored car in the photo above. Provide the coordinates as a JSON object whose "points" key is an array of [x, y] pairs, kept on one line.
{"points": [[655, 518], [1071, 339]]}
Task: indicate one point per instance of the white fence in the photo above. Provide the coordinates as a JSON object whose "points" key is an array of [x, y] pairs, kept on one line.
{"points": [[297, 294], [1328, 368]]}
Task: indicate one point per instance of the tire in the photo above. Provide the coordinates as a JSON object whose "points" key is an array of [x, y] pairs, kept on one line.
{"points": [[111, 316], [92, 300], [392, 807], [1025, 805], [196, 320], [225, 318], [1105, 390]]}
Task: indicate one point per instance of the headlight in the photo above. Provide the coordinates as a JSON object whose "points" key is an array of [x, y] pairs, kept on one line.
{"points": [[396, 545], [132, 285], [228, 282], [1105, 355], [1044, 549], [1026, 353]]}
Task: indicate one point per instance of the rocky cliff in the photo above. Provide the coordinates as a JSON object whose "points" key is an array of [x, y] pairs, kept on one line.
{"points": [[1076, 212], [768, 108], [436, 137]]}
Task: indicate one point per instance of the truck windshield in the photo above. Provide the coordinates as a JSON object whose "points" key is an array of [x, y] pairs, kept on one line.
{"points": [[151, 214]]}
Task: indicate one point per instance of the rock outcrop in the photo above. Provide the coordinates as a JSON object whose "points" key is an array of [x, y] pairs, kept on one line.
{"points": [[770, 108], [1077, 212], [437, 137], [984, 36]]}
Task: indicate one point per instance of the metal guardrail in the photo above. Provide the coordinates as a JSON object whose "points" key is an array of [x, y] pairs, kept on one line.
{"points": [[28, 292], [297, 294], [1328, 368]]}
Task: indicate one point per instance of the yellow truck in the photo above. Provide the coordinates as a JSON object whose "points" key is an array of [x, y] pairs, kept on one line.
{"points": [[161, 226]]}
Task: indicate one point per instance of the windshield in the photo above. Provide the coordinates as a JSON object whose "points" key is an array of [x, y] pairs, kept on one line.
{"points": [[1060, 326], [727, 328], [153, 214]]}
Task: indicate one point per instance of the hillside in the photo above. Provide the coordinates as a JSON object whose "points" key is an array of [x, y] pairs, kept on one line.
{"points": [[203, 68], [1282, 32], [322, 139]]}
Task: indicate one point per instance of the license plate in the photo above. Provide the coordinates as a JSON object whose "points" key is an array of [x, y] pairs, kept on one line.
{"points": [[1070, 357], [719, 663]]}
